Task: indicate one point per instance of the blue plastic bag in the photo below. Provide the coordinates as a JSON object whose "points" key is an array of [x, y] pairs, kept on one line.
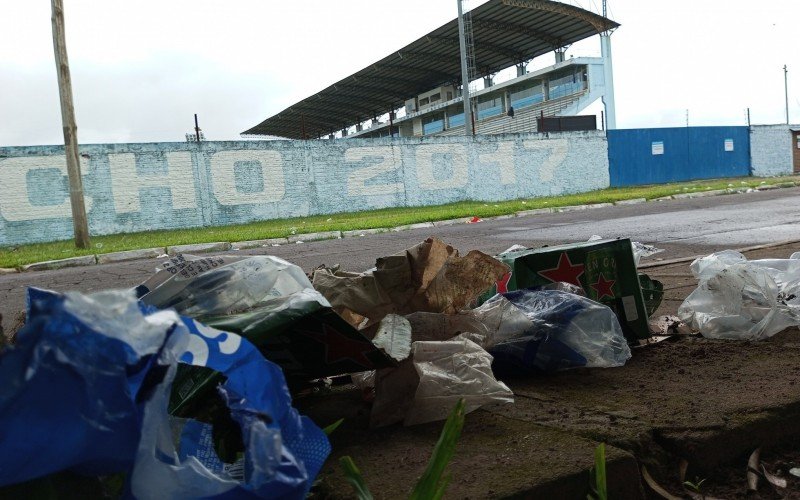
{"points": [[559, 330], [283, 450], [67, 400], [86, 390]]}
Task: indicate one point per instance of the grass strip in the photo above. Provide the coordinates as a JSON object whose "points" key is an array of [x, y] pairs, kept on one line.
{"points": [[16, 256]]}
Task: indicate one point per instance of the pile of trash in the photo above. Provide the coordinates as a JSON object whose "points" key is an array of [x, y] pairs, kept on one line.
{"points": [[184, 383], [743, 299]]}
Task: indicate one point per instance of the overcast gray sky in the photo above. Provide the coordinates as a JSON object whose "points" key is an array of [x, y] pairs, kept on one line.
{"points": [[141, 69]]}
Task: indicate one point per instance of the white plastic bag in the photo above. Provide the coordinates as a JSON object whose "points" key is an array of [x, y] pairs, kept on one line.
{"points": [[449, 371], [743, 300], [426, 386]]}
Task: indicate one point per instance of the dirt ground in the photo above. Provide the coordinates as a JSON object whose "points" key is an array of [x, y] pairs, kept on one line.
{"points": [[710, 402]]}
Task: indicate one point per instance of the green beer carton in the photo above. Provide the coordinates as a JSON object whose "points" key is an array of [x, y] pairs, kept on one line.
{"points": [[604, 269]]}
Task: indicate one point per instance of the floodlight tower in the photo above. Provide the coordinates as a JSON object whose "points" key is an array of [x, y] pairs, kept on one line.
{"points": [[608, 96], [464, 41]]}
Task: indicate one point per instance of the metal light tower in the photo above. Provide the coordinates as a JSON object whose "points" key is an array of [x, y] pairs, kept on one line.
{"points": [[464, 72], [608, 97]]}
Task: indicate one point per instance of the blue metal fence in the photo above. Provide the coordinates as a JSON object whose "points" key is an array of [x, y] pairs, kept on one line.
{"points": [[657, 155]]}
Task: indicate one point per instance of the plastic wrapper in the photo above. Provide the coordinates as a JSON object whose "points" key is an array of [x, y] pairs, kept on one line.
{"points": [[449, 371], [282, 450], [427, 385], [86, 390], [550, 330], [270, 302], [741, 299]]}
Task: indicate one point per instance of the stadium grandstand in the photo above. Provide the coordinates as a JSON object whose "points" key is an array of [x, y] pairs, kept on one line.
{"points": [[416, 90]]}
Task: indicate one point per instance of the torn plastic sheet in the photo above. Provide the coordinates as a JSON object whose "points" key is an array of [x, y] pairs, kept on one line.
{"points": [[549, 330], [270, 302], [424, 387], [394, 336], [68, 397], [428, 277], [283, 451], [90, 370], [741, 299]]}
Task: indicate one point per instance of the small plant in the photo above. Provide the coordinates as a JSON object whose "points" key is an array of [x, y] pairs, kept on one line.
{"points": [[696, 485], [433, 482], [329, 430], [597, 484]]}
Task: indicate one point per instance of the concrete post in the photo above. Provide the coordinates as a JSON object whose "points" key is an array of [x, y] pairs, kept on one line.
{"points": [[608, 96]]}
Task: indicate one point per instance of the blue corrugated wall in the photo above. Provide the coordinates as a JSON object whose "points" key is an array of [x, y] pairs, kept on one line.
{"points": [[688, 153]]}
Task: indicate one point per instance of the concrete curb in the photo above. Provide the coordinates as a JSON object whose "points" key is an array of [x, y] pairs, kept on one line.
{"points": [[535, 211], [219, 246], [244, 245], [325, 235], [357, 233], [91, 260], [86, 260], [147, 253], [634, 201], [571, 208], [450, 222], [680, 260], [421, 225]]}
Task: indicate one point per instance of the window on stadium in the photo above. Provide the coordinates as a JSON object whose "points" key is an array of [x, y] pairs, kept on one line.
{"points": [[527, 95], [566, 84], [432, 123], [489, 106]]}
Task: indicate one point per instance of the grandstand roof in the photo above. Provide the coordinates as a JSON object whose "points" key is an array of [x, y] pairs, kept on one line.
{"points": [[505, 33]]}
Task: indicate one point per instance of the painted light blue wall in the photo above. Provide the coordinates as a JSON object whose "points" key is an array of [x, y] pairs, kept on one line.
{"points": [[141, 187], [771, 147], [688, 153]]}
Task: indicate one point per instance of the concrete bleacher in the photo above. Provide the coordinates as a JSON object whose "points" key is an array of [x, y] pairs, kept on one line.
{"points": [[524, 119]]}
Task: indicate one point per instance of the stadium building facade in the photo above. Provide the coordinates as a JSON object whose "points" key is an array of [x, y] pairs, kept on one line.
{"points": [[417, 90]]}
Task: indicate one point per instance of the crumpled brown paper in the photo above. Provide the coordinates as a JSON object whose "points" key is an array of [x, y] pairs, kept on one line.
{"points": [[428, 277]]}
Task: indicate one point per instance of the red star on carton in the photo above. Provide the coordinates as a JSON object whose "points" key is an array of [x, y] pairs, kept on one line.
{"points": [[339, 347], [603, 287], [502, 283], [565, 272]]}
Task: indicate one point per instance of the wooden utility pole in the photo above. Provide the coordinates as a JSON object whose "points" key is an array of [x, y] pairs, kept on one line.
{"points": [[79, 222]]}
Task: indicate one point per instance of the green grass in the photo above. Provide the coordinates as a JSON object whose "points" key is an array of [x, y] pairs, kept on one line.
{"points": [[385, 218]]}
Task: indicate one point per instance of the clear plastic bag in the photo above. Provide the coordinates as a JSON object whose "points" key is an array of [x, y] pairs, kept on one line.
{"points": [[743, 300], [449, 371], [549, 330], [426, 386]]}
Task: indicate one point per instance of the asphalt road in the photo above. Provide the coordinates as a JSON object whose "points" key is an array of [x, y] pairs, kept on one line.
{"points": [[682, 227]]}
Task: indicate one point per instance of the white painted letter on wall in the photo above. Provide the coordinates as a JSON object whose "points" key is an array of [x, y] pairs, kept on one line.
{"points": [[223, 172], [126, 183], [15, 199], [503, 157], [557, 148], [388, 160], [458, 164]]}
